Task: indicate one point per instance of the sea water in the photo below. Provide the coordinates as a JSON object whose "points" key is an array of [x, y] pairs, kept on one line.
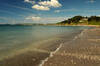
{"points": [[20, 37]]}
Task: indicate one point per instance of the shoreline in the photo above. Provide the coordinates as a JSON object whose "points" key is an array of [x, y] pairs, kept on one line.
{"points": [[79, 52], [60, 46], [74, 25], [31, 58], [43, 59]]}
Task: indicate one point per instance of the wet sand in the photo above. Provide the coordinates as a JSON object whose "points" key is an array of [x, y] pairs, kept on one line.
{"points": [[83, 50]]}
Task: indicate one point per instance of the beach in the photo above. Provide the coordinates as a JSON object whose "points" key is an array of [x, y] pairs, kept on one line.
{"points": [[84, 50], [79, 48], [49, 32]]}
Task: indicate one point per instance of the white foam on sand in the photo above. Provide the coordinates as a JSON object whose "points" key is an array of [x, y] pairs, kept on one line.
{"points": [[51, 55], [81, 34]]}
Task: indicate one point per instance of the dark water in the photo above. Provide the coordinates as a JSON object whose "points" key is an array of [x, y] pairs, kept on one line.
{"points": [[14, 39]]}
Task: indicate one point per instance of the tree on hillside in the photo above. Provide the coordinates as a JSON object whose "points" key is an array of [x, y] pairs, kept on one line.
{"points": [[94, 18], [76, 19]]}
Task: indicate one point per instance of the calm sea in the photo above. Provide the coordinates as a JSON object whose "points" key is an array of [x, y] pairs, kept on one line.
{"points": [[16, 38]]}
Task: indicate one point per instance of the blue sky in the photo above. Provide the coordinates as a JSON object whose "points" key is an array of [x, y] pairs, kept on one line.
{"points": [[45, 11]]}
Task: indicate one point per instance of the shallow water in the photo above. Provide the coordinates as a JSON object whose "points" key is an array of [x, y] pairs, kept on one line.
{"points": [[16, 38]]}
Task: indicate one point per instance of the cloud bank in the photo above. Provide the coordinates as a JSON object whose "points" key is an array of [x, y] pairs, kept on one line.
{"points": [[44, 5]]}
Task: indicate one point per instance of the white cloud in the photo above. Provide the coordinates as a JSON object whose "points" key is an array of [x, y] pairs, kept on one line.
{"points": [[57, 11], [34, 18], [91, 1], [65, 10], [26, 0], [44, 5], [39, 7], [52, 3], [29, 1]]}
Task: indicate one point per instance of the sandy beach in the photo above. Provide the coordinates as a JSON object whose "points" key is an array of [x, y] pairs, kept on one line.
{"points": [[84, 50]]}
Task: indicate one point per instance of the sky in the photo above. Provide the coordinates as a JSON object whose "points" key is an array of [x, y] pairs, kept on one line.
{"points": [[45, 11]]}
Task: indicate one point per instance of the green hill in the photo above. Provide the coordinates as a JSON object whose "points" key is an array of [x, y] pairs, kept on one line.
{"points": [[80, 20]]}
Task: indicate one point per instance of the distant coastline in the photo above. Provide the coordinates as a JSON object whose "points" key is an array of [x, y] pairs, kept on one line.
{"points": [[47, 25], [92, 21]]}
